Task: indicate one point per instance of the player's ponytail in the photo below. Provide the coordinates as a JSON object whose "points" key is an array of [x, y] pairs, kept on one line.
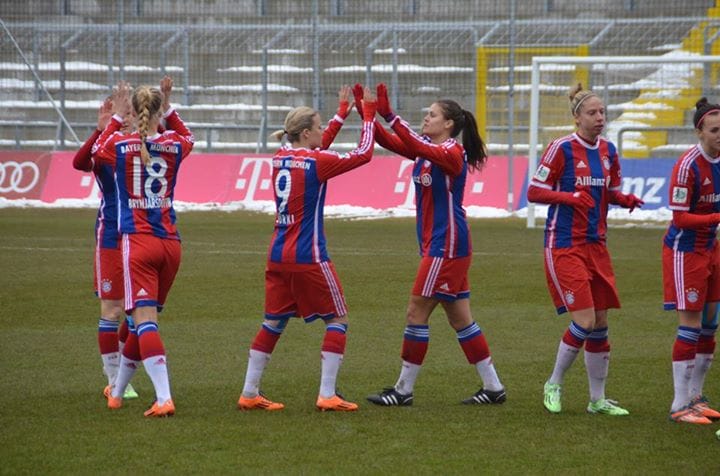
{"points": [[577, 96], [464, 121], [296, 122], [146, 102]]}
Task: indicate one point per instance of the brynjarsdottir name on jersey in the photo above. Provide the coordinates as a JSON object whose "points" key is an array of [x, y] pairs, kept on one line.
{"points": [[588, 181], [291, 164], [151, 202]]}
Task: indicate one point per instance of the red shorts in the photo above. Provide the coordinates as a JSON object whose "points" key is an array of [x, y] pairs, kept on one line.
{"points": [[310, 291], [150, 265], [443, 278], [108, 273], [581, 277], [690, 279]]}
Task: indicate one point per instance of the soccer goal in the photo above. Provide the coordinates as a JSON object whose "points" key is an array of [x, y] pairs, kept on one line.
{"points": [[648, 100]]}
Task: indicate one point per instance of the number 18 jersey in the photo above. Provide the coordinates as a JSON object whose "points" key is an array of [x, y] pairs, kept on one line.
{"points": [[145, 193]]}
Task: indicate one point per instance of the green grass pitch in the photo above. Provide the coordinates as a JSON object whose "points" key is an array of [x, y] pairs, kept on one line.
{"points": [[53, 417]]}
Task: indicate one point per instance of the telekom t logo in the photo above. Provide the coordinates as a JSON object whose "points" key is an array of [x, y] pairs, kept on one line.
{"points": [[260, 170], [405, 185]]}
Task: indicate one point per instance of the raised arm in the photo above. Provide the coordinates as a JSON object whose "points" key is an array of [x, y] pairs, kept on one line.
{"points": [[83, 157], [330, 164], [337, 121]]}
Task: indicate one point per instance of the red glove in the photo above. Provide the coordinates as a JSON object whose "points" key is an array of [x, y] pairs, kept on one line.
{"points": [[581, 200], [633, 202], [358, 93], [383, 103]]}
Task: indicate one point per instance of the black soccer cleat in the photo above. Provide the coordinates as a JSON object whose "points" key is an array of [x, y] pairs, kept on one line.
{"points": [[390, 397], [486, 397]]}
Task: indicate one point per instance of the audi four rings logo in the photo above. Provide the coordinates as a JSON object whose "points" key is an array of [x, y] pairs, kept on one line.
{"points": [[18, 177]]}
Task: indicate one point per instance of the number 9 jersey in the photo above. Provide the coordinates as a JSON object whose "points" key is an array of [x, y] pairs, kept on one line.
{"points": [[300, 182], [145, 193]]}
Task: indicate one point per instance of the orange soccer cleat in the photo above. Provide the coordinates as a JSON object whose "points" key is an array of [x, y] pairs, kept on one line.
{"points": [[258, 402], [335, 404], [701, 407], [167, 409], [689, 415]]}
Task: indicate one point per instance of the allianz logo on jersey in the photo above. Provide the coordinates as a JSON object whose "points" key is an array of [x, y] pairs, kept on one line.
{"points": [[589, 181], [710, 198]]}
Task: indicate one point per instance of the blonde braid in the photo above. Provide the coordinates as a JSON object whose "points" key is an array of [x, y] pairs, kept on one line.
{"points": [[146, 102]]}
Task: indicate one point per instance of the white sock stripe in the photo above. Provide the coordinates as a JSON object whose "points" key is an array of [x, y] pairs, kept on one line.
{"points": [[473, 328], [415, 332]]}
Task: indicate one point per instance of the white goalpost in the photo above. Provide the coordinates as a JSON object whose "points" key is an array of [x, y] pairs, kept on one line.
{"points": [[667, 79]]}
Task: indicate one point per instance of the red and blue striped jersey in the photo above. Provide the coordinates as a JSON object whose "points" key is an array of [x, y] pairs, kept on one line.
{"points": [[299, 181], [571, 164], [694, 188], [106, 229], [145, 193], [439, 176]]}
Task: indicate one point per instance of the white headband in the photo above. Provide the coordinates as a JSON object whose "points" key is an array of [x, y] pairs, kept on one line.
{"points": [[581, 101]]}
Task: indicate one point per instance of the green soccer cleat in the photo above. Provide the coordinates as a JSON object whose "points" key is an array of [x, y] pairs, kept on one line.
{"points": [[130, 393], [553, 392], [606, 407]]}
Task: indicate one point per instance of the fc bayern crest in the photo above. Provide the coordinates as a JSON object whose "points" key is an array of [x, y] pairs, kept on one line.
{"points": [[106, 286], [426, 180], [569, 297], [692, 295], [606, 162]]}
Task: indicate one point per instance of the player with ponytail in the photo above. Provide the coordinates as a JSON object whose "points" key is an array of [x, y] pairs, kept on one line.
{"points": [[441, 165], [146, 163]]}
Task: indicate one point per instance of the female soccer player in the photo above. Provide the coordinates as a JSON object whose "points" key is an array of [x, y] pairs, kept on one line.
{"points": [[691, 265], [300, 279], [108, 277], [439, 174], [579, 175], [108, 283], [145, 165]]}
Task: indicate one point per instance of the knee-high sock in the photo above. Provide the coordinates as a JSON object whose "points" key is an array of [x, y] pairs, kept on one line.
{"points": [[129, 363], [571, 343], [473, 343], [152, 352], [597, 361], [333, 349], [415, 345], [108, 344], [262, 346], [703, 359], [123, 331], [683, 357]]}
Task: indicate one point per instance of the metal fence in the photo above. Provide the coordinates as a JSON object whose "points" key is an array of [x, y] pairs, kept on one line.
{"points": [[236, 79]]}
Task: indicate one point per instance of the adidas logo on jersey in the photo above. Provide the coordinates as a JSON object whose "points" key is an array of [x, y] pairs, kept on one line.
{"points": [[445, 287], [706, 181], [142, 292], [581, 165]]}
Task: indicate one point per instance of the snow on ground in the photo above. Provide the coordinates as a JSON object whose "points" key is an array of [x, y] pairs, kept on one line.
{"points": [[654, 217]]}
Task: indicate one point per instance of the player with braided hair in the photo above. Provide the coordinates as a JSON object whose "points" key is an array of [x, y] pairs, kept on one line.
{"points": [[146, 164]]}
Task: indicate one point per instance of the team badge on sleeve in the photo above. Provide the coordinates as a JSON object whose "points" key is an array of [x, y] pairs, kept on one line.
{"points": [[542, 173], [679, 194]]}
